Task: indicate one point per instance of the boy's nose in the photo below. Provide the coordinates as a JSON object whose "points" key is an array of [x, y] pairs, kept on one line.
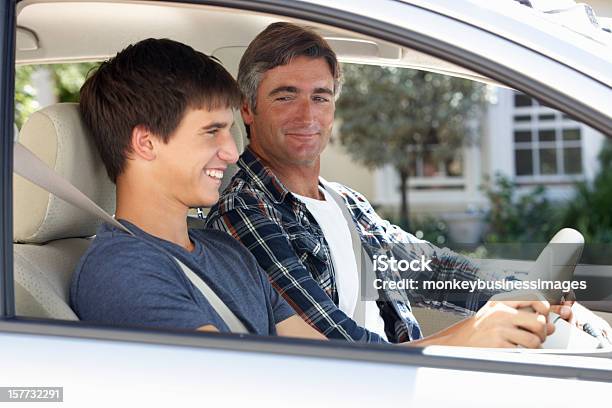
{"points": [[228, 151]]}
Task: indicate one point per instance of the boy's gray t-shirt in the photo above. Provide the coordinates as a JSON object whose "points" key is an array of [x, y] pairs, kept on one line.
{"points": [[129, 280]]}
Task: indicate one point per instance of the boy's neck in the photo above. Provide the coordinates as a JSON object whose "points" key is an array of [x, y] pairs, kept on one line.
{"points": [[153, 213]]}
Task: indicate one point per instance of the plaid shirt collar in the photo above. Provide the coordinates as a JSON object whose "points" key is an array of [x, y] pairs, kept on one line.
{"points": [[261, 176], [265, 180]]}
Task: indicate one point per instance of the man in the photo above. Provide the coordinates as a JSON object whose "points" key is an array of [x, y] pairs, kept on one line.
{"points": [[160, 114], [287, 216]]}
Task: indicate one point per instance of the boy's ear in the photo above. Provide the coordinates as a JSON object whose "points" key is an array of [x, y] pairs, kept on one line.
{"points": [[143, 143]]}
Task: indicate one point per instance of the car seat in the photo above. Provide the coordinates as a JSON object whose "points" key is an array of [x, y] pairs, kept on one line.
{"points": [[49, 234]]}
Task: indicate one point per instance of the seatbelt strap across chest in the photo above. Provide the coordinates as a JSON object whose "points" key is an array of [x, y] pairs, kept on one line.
{"points": [[361, 256], [30, 167]]}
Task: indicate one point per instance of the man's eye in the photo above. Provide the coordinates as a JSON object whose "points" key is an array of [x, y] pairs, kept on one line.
{"points": [[284, 98], [320, 99]]}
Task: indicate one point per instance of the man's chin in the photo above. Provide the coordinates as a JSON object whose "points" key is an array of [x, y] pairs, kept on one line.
{"points": [[303, 157], [309, 162]]}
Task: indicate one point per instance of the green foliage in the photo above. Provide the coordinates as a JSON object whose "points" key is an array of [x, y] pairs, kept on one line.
{"points": [[387, 112], [534, 218], [426, 227], [25, 95], [430, 229], [589, 212], [519, 218], [67, 80]]}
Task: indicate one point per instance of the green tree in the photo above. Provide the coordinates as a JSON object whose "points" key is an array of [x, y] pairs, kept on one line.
{"points": [[67, 81], [389, 116]]}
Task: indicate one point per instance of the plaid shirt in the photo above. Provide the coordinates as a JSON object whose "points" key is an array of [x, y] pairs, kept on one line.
{"points": [[259, 211]]}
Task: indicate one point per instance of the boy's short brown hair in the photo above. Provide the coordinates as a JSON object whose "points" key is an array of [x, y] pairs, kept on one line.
{"points": [[151, 83]]}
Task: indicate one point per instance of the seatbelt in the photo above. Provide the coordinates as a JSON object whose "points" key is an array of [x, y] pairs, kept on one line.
{"points": [[30, 167], [230, 319], [358, 252]]}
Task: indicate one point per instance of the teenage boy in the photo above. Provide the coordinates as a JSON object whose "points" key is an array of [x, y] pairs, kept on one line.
{"points": [[160, 114]]}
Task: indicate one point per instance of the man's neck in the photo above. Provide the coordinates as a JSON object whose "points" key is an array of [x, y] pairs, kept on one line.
{"points": [[158, 217], [302, 180]]}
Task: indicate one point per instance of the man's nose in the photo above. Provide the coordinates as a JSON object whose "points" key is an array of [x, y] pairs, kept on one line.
{"points": [[305, 110], [228, 152]]}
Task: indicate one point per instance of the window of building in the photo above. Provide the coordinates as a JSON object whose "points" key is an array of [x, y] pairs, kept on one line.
{"points": [[547, 144], [428, 164]]}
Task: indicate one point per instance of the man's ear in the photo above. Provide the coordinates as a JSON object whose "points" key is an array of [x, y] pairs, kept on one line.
{"points": [[143, 143], [246, 112]]}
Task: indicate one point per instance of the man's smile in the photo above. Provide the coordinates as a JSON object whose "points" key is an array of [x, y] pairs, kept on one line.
{"points": [[302, 135]]}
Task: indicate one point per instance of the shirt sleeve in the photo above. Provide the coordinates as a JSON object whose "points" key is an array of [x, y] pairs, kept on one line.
{"points": [[446, 265], [129, 284], [280, 308], [264, 237]]}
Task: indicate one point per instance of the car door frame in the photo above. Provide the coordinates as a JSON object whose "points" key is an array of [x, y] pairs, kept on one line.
{"points": [[7, 91]]}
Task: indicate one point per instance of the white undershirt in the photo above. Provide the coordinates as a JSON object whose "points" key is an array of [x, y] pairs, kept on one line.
{"points": [[338, 236]]}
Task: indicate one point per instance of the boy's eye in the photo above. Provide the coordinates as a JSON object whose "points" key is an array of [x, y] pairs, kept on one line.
{"points": [[210, 132]]}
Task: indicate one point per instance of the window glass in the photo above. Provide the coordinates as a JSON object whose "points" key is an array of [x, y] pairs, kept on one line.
{"points": [[37, 86], [522, 118], [572, 160], [546, 135], [548, 161], [522, 136], [571, 134], [522, 100], [550, 116], [556, 135], [524, 162], [434, 140], [457, 188]]}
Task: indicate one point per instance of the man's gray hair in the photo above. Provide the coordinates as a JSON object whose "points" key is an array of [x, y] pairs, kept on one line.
{"points": [[278, 45]]}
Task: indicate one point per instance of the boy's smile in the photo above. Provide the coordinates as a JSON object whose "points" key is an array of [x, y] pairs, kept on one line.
{"points": [[191, 165]]}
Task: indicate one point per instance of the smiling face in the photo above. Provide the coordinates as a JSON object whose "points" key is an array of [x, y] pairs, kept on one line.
{"points": [[295, 112], [190, 166]]}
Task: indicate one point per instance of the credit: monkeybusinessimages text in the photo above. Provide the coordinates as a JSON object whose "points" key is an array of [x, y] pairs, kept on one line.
{"points": [[383, 263]]}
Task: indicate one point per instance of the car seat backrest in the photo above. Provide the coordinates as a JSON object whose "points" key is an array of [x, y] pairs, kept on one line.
{"points": [[50, 235]]}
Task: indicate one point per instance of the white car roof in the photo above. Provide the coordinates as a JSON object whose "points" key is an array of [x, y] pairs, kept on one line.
{"points": [[563, 39]]}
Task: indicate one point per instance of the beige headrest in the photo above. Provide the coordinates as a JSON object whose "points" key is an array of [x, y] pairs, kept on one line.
{"points": [[230, 58], [239, 134], [57, 135]]}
